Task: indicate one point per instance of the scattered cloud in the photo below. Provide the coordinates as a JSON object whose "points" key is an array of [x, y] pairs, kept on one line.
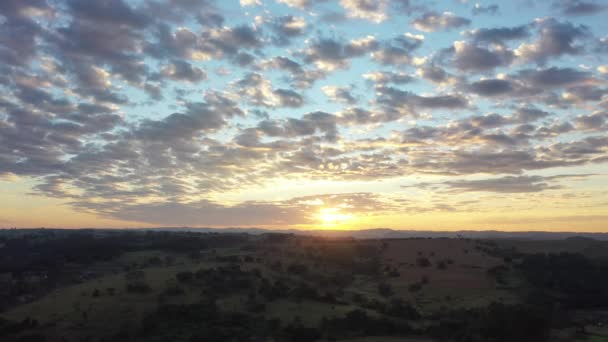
{"points": [[433, 21], [152, 111]]}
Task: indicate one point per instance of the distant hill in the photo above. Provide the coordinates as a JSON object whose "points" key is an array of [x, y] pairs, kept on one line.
{"points": [[376, 233], [386, 233]]}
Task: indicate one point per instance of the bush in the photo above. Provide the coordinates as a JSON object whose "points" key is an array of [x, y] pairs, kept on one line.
{"points": [[184, 277], [415, 287], [174, 290], [385, 289], [139, 287], [423, 262], [399, 308], [298, 269]]}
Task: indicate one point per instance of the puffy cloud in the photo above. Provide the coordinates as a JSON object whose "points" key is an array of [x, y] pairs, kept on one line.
{"points": [[398, 50], [579, 7], [228, 40], [183, 71], [115, 12], [398, 102], [469, 57], [372, 10], [434, 74], [555, 39], [584, 94], [596, 122], [508, 184], [296, 3], [308, 125], [526, 115], [554, 77], [499, 35], [288, 27], [103, 103], [330, 54], [492, 87], [260, 92], [339, 94], [301, 77], [385, 77], [433, 21], [198, 117]]}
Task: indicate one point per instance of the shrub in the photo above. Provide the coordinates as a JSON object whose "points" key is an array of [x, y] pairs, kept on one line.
{"points": [[184, 277], [385, 289], [423, 262]]}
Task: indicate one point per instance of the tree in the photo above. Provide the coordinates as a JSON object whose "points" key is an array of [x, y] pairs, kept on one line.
{"points": [[423, 262], [385, 289]]}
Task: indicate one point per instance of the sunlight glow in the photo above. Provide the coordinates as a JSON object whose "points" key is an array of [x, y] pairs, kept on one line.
{"points": [[333, 216]]}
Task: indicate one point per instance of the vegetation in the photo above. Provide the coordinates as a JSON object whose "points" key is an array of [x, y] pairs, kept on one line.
{"points": [[181, 286]]}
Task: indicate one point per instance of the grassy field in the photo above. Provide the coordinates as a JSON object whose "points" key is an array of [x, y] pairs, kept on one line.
{"points": [[453, 276]]}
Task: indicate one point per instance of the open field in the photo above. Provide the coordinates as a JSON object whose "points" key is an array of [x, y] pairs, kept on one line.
{"points": [[286, 283]]}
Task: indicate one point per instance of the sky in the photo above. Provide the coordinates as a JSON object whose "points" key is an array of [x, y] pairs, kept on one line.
{"points": [[308, 114]]}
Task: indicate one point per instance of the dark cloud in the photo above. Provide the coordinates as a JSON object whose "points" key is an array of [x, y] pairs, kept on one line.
{"points": [[20, 29], [492, 87], [470, 57], [330, 54], [386, 77], [115, 12], [579, 7], [308, 125], [197, 118], [228, 41], [554, 77], [299, 76], [508, 184], [289, 98], [402, 102], [595, 122], [526, 115], [499, 35], [434, 74], [183, 71], [555, 39]]}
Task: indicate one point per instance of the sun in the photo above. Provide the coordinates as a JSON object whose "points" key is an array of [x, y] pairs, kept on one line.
{"points": [[333, 216]]}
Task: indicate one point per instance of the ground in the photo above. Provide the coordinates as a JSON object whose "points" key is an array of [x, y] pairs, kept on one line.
{"points": [[432, 275]]}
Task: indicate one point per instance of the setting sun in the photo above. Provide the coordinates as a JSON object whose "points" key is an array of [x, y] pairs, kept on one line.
{"points": [[333, 216]]}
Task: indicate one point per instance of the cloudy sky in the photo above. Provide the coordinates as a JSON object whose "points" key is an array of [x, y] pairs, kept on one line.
{"points": [[341, 114]]}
